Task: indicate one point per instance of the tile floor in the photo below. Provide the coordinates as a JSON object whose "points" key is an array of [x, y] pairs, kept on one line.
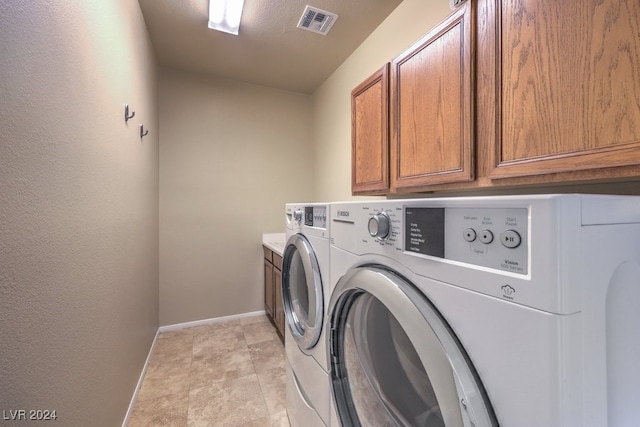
{"points": [[223, 374]]}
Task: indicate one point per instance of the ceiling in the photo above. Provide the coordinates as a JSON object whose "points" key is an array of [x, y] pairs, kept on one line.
{"points": [[269, 49]]}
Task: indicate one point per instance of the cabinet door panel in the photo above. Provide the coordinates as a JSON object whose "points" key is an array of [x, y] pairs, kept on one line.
{"points": [[432, 107], [568, 86], [269, 289], [370, 134], [279, 318]]}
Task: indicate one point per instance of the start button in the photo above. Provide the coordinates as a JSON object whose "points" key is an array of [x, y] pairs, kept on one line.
{"points": [[510, 239]]}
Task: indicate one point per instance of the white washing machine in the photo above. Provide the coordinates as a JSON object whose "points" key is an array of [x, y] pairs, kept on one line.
{"points": [[305, 295], [513, 311]]}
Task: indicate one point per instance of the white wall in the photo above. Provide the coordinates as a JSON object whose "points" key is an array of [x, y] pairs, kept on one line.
{"points": [[231, 155], [332, 101], [78, 208]]}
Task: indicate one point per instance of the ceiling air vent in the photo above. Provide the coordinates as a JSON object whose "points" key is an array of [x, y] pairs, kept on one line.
{"points": [[317, 20]]}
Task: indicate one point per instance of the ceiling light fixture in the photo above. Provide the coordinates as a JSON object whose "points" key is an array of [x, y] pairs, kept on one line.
{"points": [[224, 15]]}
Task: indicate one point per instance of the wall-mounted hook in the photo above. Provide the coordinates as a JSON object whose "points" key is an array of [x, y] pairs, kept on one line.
{"points": [[143, 133], [128, 116]]}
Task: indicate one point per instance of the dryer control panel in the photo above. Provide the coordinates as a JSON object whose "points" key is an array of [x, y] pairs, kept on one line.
{"points": [[315, 216], [493, 238]]}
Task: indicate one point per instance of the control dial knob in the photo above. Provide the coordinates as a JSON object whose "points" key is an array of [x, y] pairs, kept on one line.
{"points": [[379, 225], [297, 215]]}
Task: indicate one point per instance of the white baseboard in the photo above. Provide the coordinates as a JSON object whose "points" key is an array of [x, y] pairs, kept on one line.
{"points": [[176, 327], [134, 398], [184, 325]]}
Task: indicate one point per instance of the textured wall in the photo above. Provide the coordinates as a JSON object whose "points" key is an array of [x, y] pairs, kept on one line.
{"points": [[78, 207], [231, 155]]}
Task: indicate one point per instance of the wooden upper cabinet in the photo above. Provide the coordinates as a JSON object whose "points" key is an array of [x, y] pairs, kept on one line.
{"points": [[432, 107], [370, 134], [565, 79]]}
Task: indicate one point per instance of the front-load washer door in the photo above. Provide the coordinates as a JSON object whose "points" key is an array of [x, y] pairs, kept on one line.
{"points": [[394, 359], [302, 295]]}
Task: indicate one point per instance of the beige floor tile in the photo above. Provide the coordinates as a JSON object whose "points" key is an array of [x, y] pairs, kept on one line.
{"points": [[215, 326], [220, 365], [280, 419], [215, 339], [276, 420], [227, 403], [164, 383], [259, 332], [222, 374], [273, 385], [166, 411], [176, 335], [267, 355], [168, 373], [253, 319], [167, 363], [173, 345]]}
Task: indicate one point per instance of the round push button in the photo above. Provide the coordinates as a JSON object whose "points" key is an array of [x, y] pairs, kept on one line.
{"points": [[469, 234], [510, 239], [486, 236]]}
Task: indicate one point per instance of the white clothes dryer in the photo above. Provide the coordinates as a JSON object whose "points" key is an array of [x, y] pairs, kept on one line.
{"points": [[305, 295], [513, 311]]}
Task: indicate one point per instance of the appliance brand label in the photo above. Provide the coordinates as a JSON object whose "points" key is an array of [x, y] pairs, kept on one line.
{"points": [[343, 213], [508, 292]]}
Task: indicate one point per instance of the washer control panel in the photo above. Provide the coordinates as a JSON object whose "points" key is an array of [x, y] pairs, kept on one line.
{"points": [[493, 238], [315, 216]]}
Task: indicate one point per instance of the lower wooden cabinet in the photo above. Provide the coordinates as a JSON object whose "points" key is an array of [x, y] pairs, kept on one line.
{"points": [[269, 301], [273, 288], [279, 309]]}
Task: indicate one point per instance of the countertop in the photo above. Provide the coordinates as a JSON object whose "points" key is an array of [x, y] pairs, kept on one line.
{"points": [[274, 241]]}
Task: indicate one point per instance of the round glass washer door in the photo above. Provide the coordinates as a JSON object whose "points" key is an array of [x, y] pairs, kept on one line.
{"points": [[302, 295], [394, 359]]}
